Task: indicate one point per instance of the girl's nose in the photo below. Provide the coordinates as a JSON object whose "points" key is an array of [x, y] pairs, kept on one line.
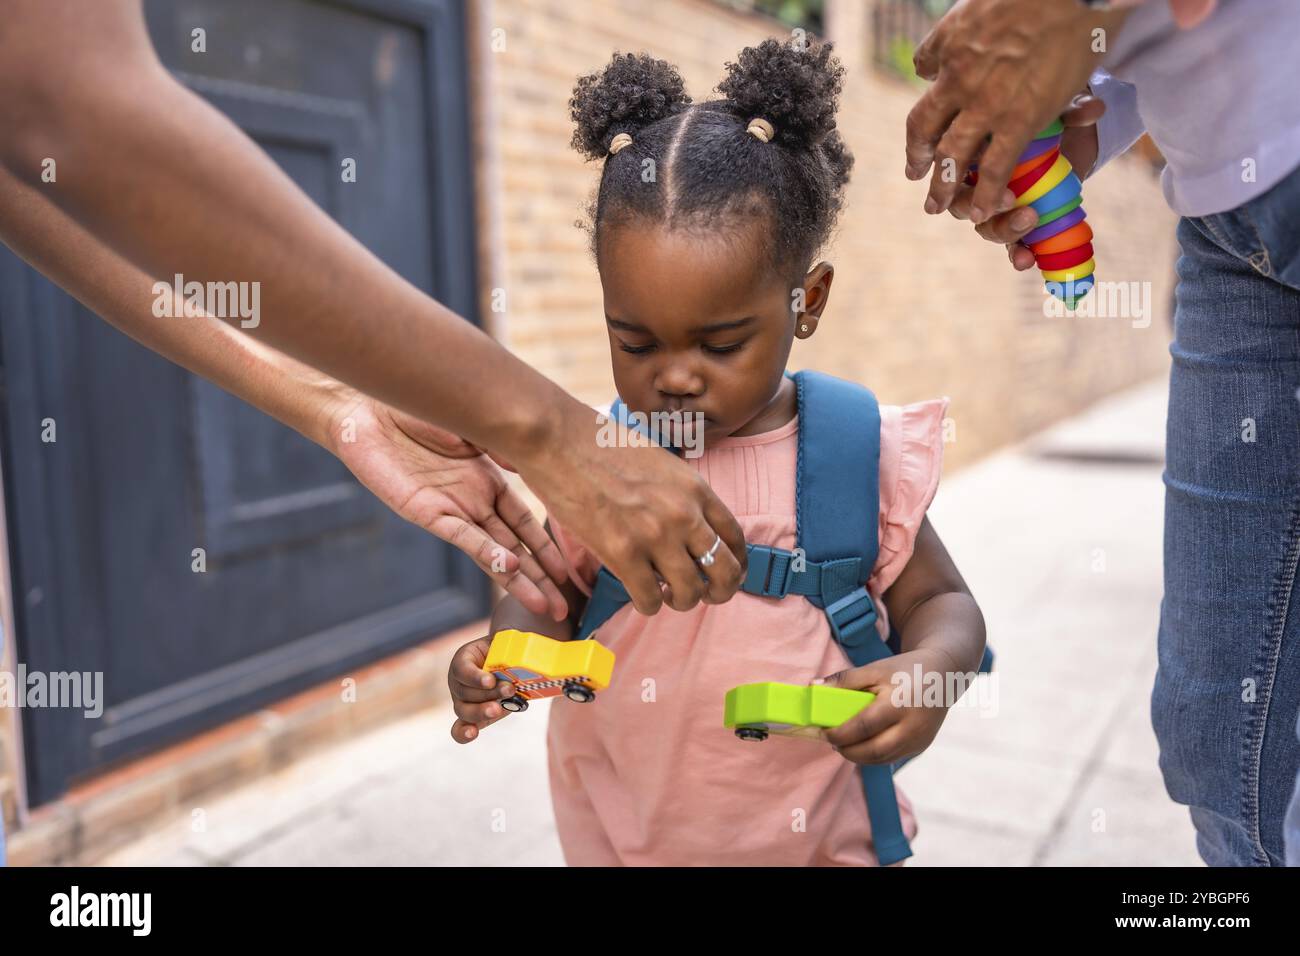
{"points": [[678, 381]]}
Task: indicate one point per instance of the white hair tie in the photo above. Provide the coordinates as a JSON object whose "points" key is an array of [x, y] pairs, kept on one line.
{"points": [[760, 129]]}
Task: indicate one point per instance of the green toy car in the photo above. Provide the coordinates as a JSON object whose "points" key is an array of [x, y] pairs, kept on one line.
{"points": [[756, 710]]}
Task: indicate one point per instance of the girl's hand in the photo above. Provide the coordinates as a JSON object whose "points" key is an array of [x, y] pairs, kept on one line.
{"points": [[475, 693], [884, 732], [447, 486]]}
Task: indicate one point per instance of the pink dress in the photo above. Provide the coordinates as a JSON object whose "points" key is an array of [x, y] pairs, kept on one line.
{"points": [[646, 774]]}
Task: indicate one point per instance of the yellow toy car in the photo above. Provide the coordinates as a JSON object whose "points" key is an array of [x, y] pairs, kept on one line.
{"points": [[540, 666]]}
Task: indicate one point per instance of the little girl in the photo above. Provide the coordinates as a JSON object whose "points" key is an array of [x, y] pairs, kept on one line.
{"points": [[704, 230]]}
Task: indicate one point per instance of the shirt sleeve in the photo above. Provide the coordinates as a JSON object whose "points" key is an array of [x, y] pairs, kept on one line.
{"points": [[1121, 125], [1187, 13], [911, 457]]}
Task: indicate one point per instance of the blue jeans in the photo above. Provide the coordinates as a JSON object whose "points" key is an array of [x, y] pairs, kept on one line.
{"points": [[1227, 693]]}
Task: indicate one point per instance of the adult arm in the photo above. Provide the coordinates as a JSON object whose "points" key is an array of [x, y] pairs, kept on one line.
{"points": [[425, 474], [158, 175]]}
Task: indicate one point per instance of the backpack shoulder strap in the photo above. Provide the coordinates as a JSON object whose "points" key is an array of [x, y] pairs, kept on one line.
{"points": [[837, 500], [837, 504], [837, 484]]}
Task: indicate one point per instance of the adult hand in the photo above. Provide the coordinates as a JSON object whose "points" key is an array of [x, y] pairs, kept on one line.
{"points": [[1003, 70], [1078, 145], [647, 515], [447, 486]]}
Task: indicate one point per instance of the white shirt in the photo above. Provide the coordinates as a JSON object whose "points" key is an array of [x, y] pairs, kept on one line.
{"points": [[1221, 100]]}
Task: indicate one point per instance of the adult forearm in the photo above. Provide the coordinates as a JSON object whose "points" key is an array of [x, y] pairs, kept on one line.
{"points": [[155, 173], [48, 240]]}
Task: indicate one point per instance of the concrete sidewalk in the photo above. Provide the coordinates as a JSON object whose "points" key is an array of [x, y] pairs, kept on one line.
{"points": [[1060, 540]]}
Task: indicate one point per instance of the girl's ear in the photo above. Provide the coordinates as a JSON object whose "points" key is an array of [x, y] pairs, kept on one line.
{"points": [[815, 293]]}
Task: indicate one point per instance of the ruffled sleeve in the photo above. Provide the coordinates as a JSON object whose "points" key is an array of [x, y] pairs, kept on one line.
{"points": [[911, 457]]}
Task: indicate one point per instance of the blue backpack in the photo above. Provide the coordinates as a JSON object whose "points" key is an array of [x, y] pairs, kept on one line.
{"points": [[837, 504]]}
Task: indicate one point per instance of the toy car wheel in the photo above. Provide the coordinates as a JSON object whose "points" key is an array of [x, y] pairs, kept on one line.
{"points": [[751, 733], [516, 704], [579, 694]]}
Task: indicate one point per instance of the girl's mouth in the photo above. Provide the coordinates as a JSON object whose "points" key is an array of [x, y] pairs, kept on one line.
{"points": [[680, 427]]}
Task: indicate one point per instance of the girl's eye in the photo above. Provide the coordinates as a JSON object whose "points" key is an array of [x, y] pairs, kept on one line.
{"points": [[635, 349], [723, 349]]}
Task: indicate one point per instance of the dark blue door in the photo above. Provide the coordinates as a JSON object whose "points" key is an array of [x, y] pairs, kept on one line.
{"points": [[307, 574]]}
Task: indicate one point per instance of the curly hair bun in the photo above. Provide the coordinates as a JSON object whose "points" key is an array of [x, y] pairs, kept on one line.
{"points": [[631, 92], [795, 87]]}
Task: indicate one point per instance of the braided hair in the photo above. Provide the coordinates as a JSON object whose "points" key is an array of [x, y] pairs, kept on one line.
{"points": [[697, 166]]}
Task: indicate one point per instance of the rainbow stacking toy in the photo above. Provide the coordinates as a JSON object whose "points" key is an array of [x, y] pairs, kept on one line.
{"points": [[1062, 241]]}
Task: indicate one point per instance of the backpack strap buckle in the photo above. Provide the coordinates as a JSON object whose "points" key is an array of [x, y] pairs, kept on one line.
{"points": [[853, 620], [769, 573]]}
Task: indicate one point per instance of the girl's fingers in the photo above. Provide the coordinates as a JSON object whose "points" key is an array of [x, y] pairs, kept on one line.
{"points": [[885, 747], [463, 732], [467, 679], [480, 714], [467, 665], [870, 722], [477, 694]]}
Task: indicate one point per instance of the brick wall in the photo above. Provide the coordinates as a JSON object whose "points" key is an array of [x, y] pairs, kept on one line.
{"points": [[920, 307]]}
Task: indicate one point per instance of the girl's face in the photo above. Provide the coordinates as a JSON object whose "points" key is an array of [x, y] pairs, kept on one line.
{"points": [[702, 325]]}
